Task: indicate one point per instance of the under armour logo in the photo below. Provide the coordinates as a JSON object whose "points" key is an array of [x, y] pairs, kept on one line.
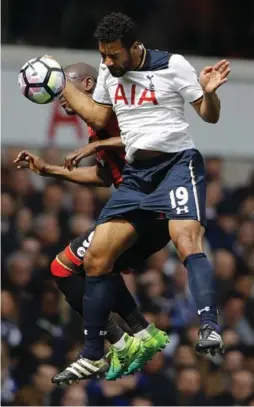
{"points": [[203, 309], [103, 333], [179, 210], [86, 332], [151, 85]]}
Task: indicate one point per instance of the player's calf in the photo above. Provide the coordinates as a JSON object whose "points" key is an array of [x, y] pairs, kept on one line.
{"points": [[187, 236]]}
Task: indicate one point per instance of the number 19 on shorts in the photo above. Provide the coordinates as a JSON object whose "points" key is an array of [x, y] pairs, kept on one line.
{"points": [[179, 198]]}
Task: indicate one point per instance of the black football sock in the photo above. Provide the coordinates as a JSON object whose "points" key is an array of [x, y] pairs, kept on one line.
{"points": [[114, 332], [99, 299], [73, 288], [127, 308], [136, 321], [202, 287]]}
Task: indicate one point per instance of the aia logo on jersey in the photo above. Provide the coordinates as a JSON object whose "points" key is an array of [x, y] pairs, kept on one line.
{"points": [[147, 95]]}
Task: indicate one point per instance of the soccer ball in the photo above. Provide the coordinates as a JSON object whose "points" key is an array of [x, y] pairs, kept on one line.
{"points": [[41, 80]]}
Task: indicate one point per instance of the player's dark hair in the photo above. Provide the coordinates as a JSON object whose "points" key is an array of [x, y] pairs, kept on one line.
{"points": [[116, 26]]}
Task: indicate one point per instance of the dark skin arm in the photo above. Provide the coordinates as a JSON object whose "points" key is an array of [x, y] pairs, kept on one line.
{"points": [[73, 159], [94, 175]]}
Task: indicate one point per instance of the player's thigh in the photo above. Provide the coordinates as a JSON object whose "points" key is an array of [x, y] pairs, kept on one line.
{"points": [[109, 241]]}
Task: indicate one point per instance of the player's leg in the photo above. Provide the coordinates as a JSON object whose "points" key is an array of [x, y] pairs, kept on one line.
{"points": [[154, 237], [101, 290], [66, 270], [70, 279], [109, 241], [187, 236], [182, 197]]}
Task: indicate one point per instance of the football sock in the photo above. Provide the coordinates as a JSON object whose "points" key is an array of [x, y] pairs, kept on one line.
{"points": [[114, 332], [136, 321], [98, 301], [202, 286], [73, 288], [127, 308]]}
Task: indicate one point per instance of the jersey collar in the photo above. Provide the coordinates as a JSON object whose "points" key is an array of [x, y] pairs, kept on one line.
{"points": [[143, 58]]}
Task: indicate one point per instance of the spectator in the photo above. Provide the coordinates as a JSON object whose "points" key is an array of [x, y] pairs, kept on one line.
{"points": [[75, 395], [39, 392], [241, 390], [189, 391], [235, 319]]}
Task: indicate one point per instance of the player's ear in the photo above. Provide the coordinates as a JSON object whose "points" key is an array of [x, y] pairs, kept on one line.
{"points": [[88, 83], [135, 45]]}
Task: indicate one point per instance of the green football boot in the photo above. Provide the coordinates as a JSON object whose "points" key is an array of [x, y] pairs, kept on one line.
{"points": [[120, 360], [152, 343]]}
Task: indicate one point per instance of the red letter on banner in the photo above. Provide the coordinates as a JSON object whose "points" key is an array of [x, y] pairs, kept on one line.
{"points": [[60, 118]]}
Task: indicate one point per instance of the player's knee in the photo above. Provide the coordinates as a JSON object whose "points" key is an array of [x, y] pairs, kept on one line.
{"points": [[61, 267], [96, 265]]}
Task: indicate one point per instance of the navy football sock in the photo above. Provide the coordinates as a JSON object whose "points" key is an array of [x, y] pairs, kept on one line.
{"points": [[202, 286], [73, 287], [99, 299]]}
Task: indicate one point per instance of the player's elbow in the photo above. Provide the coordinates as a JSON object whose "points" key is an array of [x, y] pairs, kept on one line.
{"points": [[210, 117], [99, 124], [212, 120], [92, 121]]}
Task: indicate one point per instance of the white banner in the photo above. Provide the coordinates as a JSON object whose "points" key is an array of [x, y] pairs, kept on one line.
{"points": [[27, 124]]}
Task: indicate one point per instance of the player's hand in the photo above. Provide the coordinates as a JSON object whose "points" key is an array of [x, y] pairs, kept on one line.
{"points": [[73, 159], [27, 160], [212, 77], [68, 110]]}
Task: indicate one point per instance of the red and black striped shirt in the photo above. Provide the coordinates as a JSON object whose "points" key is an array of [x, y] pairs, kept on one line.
{"points": [[114, 159]]}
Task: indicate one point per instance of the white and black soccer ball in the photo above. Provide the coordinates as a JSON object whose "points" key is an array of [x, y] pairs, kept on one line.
{"points": [[42, 80]]}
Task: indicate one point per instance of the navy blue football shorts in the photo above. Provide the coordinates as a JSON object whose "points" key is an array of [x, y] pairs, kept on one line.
{"points": [[173, 184]]}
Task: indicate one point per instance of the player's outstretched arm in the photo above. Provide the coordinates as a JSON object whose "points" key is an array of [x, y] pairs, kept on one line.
{"points": [[93, 175], [73, 159], [94, 114], [211, 78]]}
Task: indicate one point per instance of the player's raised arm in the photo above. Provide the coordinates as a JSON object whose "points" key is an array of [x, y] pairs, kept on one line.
{"points": [[94, 111], [211, 78], [200, 93], [93, 175]]}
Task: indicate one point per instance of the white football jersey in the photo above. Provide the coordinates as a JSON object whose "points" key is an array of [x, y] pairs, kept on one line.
{"points": [[149, 102]]}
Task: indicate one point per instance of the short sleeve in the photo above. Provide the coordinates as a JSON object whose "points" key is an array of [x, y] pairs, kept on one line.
{"points": [[101, 93], [185, 79]]}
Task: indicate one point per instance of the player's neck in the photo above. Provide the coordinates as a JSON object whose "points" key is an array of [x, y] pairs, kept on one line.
{"points": [[139, 57]]}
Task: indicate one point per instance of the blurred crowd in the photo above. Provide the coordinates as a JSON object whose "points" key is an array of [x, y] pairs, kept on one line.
{"points": [[219, 28], [41, 334]]}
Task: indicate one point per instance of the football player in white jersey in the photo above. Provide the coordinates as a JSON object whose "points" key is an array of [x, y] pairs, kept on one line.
{"points": [[164, 173]]}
